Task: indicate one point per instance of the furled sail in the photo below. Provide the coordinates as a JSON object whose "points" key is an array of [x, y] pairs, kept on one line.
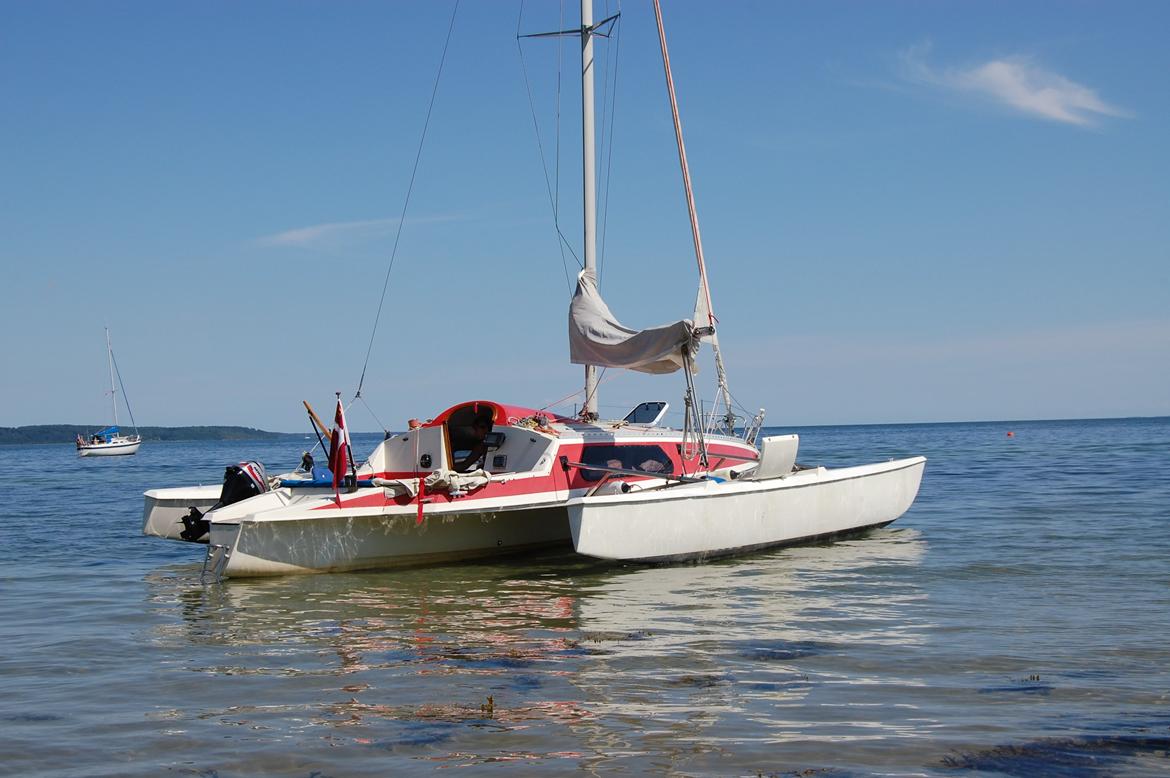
{"points": [[704, 319], [596, 337]]}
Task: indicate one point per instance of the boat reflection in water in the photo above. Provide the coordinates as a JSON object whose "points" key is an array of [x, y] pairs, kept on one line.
{"points": [[711, 653], [589, 662]]}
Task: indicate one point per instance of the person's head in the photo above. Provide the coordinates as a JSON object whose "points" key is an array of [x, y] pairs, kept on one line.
{"points": [[482, 424]]}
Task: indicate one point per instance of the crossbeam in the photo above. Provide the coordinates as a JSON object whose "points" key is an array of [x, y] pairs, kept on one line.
{"points": [[592, 29]]}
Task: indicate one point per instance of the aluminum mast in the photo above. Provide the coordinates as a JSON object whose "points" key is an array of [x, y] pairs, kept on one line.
{"points": [[589, 181]]}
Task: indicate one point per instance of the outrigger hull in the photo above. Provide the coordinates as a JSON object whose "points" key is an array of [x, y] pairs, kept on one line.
{"points": [[714, 519]]}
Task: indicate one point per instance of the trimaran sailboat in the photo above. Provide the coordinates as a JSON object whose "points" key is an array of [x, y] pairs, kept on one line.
{"points": [[110, 442], [484, 478]]}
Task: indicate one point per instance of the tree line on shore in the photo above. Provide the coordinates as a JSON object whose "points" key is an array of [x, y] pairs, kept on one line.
{"points": [[65, 433]]}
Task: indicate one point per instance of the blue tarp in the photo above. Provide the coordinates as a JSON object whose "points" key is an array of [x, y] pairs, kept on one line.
{"points": [[318, 482], [108, 431]]}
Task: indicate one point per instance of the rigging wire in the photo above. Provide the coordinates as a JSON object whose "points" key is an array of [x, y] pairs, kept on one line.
{"points": [[693, 426], [607, 146], [560, 401], [371, 410], [590, 395], [553, 198], [125, 398], [601, 53], [406, 202], [557, 133], [553, 189], [602, 378], [748, 414]]}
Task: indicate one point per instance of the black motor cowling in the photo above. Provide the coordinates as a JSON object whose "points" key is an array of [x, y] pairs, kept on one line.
{"points": [[247, 479], [240, 481]]}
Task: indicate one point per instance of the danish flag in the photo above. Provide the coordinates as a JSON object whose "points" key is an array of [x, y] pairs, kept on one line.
{"points": [[339, 448]]}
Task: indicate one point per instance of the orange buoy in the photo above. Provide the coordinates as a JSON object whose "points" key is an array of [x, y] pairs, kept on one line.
{"points": [[1011, 434]]}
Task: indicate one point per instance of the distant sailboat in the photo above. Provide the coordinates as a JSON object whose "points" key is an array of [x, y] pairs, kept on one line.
{"points": [[110, 442]]}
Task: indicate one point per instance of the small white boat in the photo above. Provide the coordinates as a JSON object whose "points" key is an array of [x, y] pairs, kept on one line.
{"points": [[110, 442]]}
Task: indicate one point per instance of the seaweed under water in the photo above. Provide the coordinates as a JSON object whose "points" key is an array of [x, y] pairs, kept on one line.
{"points": [[1087, 756]]}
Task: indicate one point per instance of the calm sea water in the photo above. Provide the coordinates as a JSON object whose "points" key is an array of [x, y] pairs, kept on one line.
{"points": [[1015, 622]]}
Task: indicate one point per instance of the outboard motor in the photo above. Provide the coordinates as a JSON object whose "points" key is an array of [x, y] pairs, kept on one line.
{"points": [[247, 479]]}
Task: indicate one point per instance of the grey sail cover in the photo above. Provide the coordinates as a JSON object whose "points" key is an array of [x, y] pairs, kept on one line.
{"points": [[596, 337]]}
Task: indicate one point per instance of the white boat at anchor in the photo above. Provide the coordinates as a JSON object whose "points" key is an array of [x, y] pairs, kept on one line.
{"points": [[110, 442], [484, 479]]}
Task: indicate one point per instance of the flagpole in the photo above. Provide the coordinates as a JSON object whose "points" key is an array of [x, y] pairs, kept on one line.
{"points": [[314, 422], [348, 442], [339, 449]]}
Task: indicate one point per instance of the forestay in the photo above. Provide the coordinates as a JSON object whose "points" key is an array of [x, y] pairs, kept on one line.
{"points": [[596, 337]]}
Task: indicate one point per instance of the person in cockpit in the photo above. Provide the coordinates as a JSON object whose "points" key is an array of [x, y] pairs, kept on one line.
{"points": [[480, 427]]}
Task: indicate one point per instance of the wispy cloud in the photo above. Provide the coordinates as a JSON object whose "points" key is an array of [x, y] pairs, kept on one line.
{"points": [[1018, 82], [349, 231]]}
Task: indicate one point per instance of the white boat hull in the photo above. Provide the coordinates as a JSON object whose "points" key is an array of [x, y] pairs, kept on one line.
{"points": [[711, 519], [164, 509], [114, 449], [335, 543]]}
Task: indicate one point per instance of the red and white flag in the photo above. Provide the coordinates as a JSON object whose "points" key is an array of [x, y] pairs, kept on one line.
{"points": [[339, 448]]}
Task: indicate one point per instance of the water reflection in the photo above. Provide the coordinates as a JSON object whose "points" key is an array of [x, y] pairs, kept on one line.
{"points": [[711, 653], [573, 659]]}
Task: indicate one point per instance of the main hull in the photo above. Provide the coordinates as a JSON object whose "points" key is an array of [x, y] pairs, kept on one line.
{"points": [[712, 519], [398, 515], [336, 543]]}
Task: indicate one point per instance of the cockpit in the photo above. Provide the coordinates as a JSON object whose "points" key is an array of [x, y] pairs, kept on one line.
{"points": [[496, 438]]}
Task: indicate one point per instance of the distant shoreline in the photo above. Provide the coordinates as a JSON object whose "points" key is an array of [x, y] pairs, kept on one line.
{"points": [[65, 433]]}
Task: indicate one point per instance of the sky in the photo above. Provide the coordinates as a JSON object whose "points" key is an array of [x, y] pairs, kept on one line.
{"points": [[911, 211]]}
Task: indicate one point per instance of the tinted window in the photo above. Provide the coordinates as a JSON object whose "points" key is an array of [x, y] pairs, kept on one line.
{"points": [[646, 413], [649, 459]]}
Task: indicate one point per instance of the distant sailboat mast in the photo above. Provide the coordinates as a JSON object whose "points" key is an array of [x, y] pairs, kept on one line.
{"points": [[113, 390]]}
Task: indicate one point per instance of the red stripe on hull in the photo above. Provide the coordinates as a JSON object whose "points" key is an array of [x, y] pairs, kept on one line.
{"points": [[719, 455]]}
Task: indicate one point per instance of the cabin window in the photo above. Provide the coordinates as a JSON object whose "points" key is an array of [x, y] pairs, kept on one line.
{"points": [[650, 459]]}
